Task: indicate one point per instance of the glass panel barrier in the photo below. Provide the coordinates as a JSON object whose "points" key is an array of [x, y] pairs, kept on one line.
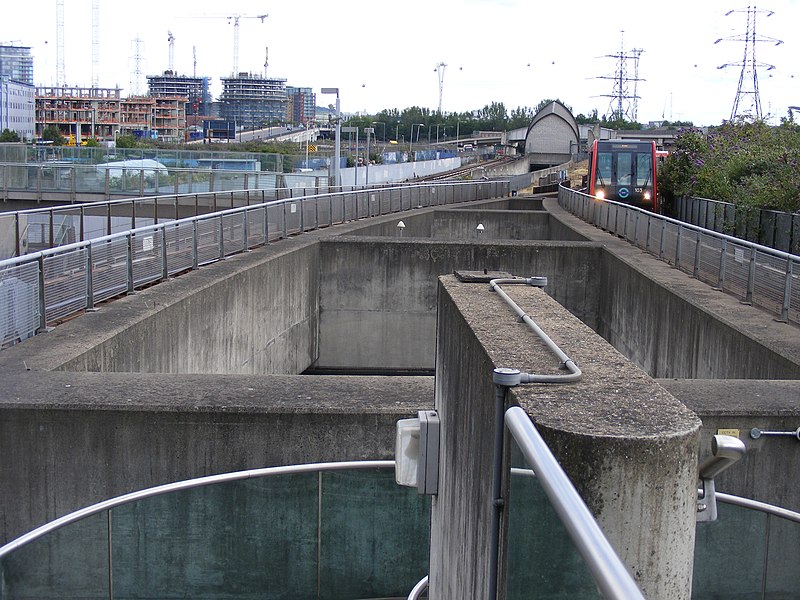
{"points": [[729, 555], [543, 562], [351, 533], [69, 563]]}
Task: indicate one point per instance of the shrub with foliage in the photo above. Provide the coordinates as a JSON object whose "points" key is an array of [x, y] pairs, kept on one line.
{"points": [[9, 136], [748, 163]]}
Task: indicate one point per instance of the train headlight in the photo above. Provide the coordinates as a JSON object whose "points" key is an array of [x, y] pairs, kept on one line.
{"points": [[647, 195], [600, 194]]}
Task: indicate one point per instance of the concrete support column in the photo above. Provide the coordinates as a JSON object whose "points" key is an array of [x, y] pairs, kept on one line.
{"points": [[629, 447]]}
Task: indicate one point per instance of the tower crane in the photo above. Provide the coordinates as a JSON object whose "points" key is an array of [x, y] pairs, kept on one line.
{"points": [[171, 40], [235, 19]]}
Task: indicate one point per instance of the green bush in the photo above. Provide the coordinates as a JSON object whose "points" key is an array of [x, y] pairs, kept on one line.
{"points": [[747, 163]]}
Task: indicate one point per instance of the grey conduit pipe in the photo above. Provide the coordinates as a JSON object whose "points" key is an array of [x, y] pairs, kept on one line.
{"points": [[566, 362], [503, 379]]}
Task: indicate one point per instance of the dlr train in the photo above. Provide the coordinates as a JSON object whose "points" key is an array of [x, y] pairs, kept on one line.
{"points": [[624, 171]]}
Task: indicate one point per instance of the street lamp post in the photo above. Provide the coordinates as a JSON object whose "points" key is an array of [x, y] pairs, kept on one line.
{"points": [[384, 130], [368, 131], [411, 140], [337, 173], [348, 131]]}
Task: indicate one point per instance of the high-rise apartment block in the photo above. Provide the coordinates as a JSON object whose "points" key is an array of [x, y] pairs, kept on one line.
{"points": [[16, 63], [252, 101]]}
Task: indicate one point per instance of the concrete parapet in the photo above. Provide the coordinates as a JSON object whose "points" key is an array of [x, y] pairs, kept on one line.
{"points": [[629, 447], [69, 440]]}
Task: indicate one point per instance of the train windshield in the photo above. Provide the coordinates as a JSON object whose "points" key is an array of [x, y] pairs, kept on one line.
{"points": [[604, 168], [644, 169], [630, 168]]}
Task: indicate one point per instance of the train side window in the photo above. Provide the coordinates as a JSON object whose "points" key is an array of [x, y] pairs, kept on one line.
{"points": [[624, 168]]}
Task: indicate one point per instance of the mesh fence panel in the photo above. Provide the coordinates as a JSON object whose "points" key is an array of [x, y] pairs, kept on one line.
{"points": [[207, 240], [770, 282], [146, 255], [255, 227], [19, 302], [109, 268], [180, 247], [233, 231], [64, 284], [710, 255], [737, 269]]}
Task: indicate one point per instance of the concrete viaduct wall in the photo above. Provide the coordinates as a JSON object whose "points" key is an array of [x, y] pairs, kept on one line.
{"points": [[156, 408]]}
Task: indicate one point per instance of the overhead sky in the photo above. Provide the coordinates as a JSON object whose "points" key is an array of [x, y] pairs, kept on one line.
{"points": [[384, 55]]}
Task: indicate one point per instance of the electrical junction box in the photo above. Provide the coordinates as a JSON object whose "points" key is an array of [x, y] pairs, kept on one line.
{"points": [[417, 452]]}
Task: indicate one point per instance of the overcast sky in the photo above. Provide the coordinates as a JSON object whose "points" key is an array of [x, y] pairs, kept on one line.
{"points": [[384, 54]]}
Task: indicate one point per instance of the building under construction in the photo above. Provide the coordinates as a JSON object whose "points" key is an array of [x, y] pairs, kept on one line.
{"points": [[195, 89], [252, 101], [102, 113]]}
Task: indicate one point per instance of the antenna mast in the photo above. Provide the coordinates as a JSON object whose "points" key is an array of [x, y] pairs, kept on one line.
{"points": [[749, 64]]}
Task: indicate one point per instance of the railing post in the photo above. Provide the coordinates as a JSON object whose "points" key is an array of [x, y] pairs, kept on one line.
{"points": [[42, 305], [130, 263], [245, 231], [285, 227], [722, 262], [266, 224], [141, 182], [164, 270], [787, 292], [661, 242], [89, 278], [751, 277], [51, 241], [83, 224], [330, 210], [697, 248], [301, 208], [18, 243], [678, 248], [221, 238], [107, 185], [195, 260]]}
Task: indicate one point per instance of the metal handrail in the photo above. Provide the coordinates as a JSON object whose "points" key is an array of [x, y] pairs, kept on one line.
{"points": [[610, 574], [782, 302], [179, 254], [168, 488], [770, 509], [416, 591]]}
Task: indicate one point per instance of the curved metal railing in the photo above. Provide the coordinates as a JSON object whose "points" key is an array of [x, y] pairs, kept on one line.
{"points": [[756, 274], [187, 484]]}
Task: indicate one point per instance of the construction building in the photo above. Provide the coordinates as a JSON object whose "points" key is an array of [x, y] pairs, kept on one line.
{"points": [[102, 113], [16, 63], [195, 89], [252, 101], [301, 106]]}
